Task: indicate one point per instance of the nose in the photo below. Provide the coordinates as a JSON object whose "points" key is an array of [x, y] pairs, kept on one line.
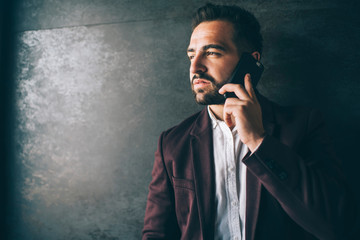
{"points": [[197, 65]]}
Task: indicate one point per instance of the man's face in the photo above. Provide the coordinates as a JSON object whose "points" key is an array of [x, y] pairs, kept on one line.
{"points": [[213, 56]]}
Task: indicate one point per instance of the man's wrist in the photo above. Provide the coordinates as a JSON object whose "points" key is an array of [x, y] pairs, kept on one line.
{"points": [[254, 144]]}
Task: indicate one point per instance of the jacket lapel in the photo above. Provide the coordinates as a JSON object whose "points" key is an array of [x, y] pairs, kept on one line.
{"points": [[253, 185], [204, 173]]}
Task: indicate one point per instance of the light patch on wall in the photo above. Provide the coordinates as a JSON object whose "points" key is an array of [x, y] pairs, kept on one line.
{"points": [[60, 77], [89, 100]]}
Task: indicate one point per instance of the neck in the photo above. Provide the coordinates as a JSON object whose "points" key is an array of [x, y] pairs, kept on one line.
{"points": [[218, 111]]}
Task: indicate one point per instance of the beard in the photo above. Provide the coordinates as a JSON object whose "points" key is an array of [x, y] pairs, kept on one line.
{"points": [[210, 94]]}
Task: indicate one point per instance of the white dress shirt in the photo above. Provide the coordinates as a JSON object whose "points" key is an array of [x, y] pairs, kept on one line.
{"points": [[230, 181]]}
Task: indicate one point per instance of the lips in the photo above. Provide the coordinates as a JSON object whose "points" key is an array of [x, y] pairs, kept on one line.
{"points": [[200, 83]]}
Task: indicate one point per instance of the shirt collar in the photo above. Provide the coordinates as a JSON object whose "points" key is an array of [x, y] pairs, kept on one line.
{"points": [[214, 120]]}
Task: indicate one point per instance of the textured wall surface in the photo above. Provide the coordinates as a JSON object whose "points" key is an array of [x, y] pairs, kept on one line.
{"points": [[97, 82]]}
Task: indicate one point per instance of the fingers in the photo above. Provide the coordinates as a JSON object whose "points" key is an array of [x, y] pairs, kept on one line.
{"points": [[242, 93], [228, 120], [238, 89], [234, 106], [232, 110], [249, 87]]}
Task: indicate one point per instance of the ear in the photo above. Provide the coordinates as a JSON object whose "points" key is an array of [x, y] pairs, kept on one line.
{"points": [[256, 55]]}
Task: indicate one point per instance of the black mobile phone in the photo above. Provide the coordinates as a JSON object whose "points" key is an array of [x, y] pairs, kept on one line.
{"points": [[246, 64]]}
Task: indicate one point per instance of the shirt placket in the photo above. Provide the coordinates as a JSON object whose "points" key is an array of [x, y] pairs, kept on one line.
{"points": [[233, 200]]}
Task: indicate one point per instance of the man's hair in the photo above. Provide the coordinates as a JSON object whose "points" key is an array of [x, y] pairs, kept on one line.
{"points": [[246, 26]]}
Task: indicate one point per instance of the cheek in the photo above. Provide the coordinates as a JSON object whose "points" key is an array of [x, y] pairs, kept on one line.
{"points": [[226, 72], [222, 75]]}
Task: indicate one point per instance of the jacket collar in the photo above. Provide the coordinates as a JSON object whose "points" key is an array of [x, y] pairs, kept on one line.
{"points": [[202, 124]]}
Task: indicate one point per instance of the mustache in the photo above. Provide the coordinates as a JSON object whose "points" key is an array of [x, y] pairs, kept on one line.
{"points": [[203, 76]]}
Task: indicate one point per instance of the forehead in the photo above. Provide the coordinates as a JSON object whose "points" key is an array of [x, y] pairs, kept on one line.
{"points": [[212, 32]]}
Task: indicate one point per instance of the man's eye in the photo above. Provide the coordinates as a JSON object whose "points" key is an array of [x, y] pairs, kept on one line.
{"points": [[191, 57], [212, 53]]}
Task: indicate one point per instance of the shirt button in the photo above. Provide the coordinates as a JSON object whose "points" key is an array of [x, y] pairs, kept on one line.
{"points": [[234, 204]]}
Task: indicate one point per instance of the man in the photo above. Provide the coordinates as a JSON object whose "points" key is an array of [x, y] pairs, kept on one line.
{"points": [[243, 168]]}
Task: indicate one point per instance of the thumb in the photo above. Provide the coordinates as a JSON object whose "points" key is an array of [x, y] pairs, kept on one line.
{"points": [[228, 120]]}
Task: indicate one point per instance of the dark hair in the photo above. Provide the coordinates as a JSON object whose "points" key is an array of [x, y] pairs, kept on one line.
{"points": [[246, 26]]}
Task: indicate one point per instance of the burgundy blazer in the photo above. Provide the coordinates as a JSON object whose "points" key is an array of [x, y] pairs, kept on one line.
{"points": [[295, 187]]}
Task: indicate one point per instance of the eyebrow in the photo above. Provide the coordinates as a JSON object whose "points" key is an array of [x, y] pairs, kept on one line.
{"points": [[206, 47]]}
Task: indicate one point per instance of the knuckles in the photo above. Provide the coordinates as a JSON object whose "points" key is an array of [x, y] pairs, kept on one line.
{"points": [[232, 87], [238, 102]]}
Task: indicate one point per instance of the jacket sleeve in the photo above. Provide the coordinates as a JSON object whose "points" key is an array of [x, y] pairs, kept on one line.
{"points": [[306, 180], [160, 218]]}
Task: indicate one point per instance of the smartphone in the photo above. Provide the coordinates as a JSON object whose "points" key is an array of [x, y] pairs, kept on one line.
{"points": [[246, 64]]}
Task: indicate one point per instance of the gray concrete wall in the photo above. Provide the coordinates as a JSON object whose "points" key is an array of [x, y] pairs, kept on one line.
{"points": [[97, 82]]}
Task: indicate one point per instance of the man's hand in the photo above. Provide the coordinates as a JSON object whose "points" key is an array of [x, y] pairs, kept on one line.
{"points": [[246, 112]]}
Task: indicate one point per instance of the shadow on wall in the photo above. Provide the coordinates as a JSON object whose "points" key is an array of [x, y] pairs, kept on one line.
{"points": [[300, 70], [305, 71], [7, 63]]}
